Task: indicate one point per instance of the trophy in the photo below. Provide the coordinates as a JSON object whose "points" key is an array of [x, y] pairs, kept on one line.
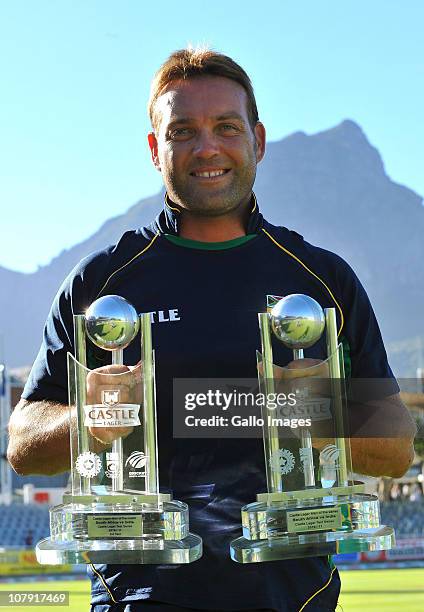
{"points": [[114, 512], [312, 507]]}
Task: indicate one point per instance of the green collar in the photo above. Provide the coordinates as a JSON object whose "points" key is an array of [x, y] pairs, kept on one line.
{"points": [[209, 246]]}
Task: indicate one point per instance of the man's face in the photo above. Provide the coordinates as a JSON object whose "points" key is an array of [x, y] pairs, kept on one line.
{"points": [[204, 145]]}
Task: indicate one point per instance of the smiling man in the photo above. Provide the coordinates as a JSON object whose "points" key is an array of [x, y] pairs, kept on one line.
{"points": [[207, 147], [210, 259]]}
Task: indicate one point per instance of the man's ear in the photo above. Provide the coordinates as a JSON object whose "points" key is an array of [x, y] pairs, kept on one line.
{"points": [[260, 137], [153, 145]]}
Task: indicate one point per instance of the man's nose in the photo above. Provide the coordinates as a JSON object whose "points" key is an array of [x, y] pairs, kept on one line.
{"points": [[206, 144]]}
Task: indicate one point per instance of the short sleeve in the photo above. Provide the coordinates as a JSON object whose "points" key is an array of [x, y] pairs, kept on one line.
{"points": [[48, 379], [48, 376]]}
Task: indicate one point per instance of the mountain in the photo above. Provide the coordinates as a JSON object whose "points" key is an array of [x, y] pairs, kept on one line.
{"points": [[332, 188]]}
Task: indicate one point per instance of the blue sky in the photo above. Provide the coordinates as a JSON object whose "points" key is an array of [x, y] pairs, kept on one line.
{"points": [[75, 82]]}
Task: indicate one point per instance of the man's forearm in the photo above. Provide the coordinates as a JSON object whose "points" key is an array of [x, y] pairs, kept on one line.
{"points": [[382, 456], [386, 446], [39, 438], [388, 454]]}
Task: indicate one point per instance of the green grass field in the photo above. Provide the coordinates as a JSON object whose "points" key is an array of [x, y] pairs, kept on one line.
{"points": [[362, 591]]}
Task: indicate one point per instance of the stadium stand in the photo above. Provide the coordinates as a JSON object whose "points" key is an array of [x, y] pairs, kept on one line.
{"points": [[61, 480], [407, 517], [23, 525]]}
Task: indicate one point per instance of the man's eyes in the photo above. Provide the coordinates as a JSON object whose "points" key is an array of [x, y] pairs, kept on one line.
{"points": [[228, 127], [183, 133], [180, 132]]}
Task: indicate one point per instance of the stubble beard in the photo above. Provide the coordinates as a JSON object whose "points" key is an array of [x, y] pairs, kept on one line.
{"points": [[227, 200]]}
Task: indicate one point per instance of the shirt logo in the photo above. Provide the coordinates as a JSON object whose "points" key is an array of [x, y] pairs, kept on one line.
{"points": [[271, 300], [165, 316]]}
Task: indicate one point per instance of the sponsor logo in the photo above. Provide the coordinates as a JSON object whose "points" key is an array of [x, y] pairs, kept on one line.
{"points": [[282, 461], [115, 415], [144, 593], [317, 408], [306, 456], [110, 397], [330, 456], [165, 316], [88, 464], [112, 465], [137, 460], [329, 464]]}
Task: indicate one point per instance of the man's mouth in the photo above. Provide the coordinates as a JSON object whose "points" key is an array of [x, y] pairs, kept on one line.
{"points": [[209, 173]]}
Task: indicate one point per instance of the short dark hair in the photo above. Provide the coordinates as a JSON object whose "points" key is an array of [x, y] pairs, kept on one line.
{"points": [[194, 62]]}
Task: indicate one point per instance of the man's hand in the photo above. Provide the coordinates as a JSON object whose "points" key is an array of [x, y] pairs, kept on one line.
{"points": [[126, 379], [387, 455], [303, 368], [310, 376]]}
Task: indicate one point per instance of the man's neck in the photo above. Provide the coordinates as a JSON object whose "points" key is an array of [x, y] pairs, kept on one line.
{"points": [[213, 229], [207, 229]]}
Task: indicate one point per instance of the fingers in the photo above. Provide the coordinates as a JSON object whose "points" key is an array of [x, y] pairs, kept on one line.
{"points": [[299, 368], [303, 368], [136, 372], [106, 435], [110, 369], [125, 379]]}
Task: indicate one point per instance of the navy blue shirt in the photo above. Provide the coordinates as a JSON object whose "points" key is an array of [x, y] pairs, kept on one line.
{"points": [[206, 301]]}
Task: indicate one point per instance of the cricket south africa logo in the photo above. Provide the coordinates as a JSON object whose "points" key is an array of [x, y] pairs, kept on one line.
{"points": [[111, 412], [137, 460]]}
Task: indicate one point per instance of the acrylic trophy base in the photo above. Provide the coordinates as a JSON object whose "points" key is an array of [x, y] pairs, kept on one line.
{"points": [[311, 527], [127, 532]]}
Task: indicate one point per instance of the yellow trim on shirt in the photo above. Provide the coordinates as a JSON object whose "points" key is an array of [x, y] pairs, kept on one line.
{"points": [[310, 272], [319, 590], [128, 262], [169, 205], [103, 582]]}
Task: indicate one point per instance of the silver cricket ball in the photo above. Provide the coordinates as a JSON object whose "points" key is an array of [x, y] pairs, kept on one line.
{"points": [[111, 322], [298, 321]]}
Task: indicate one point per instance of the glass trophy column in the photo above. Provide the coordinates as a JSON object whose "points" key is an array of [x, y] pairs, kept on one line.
{"points": [[114, 512], [312, 506]]}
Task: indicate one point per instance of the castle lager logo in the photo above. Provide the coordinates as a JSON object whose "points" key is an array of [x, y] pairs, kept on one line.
{"points": [[110, 397], [111, 413]]}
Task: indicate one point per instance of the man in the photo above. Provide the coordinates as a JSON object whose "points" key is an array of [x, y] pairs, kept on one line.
{"points": [[209, 260]]}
